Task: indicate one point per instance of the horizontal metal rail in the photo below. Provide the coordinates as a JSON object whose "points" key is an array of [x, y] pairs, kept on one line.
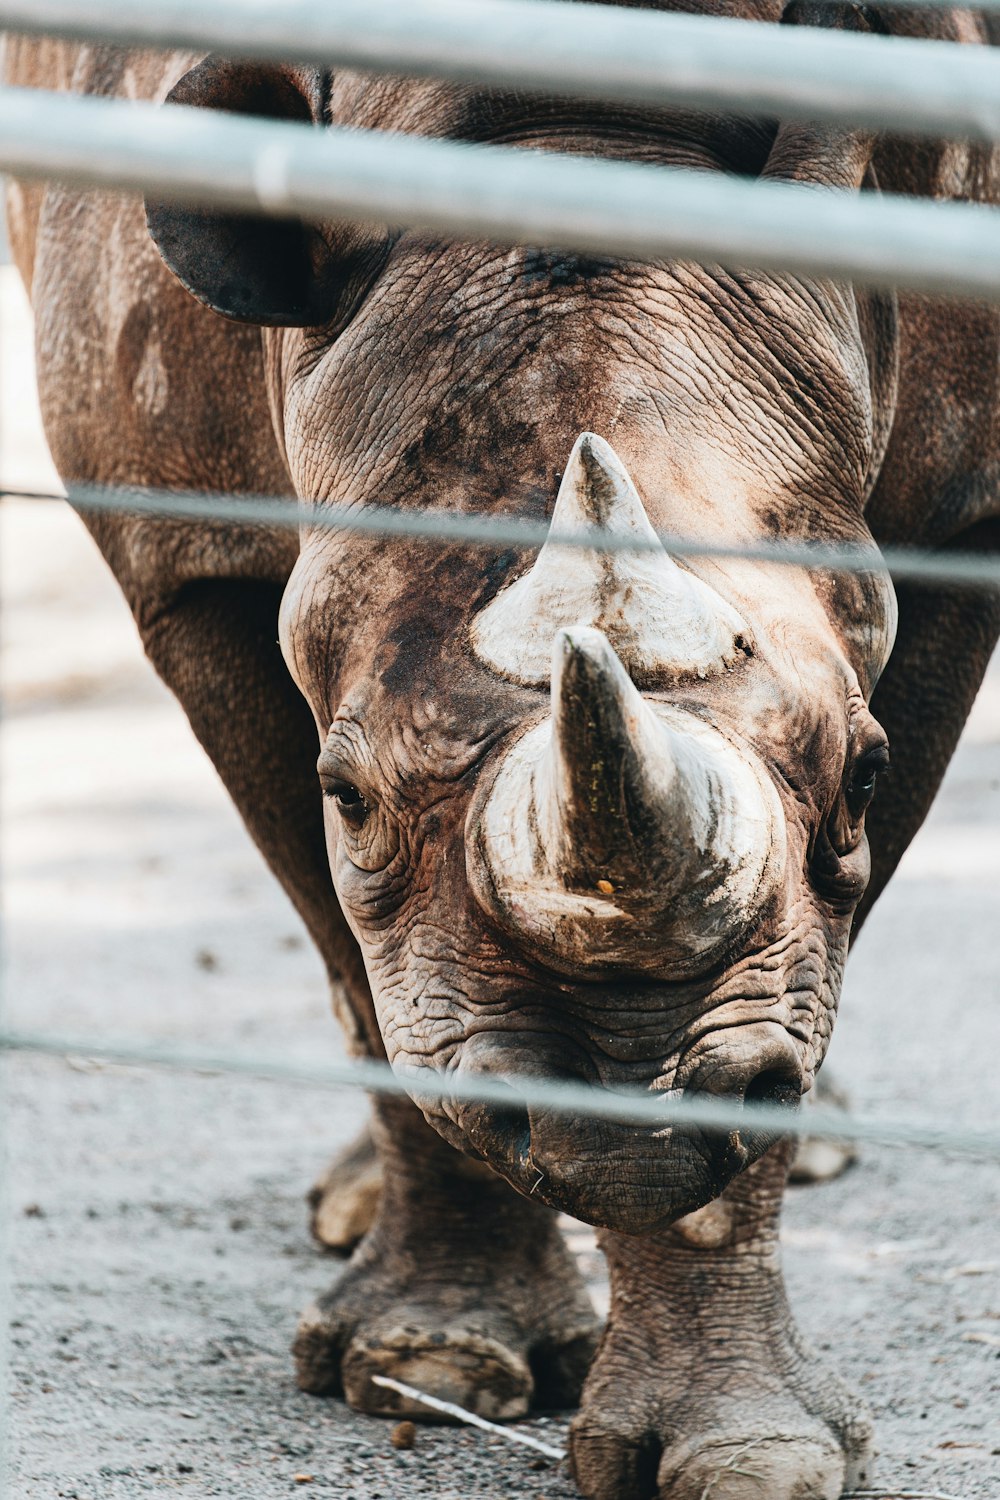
{"points": [[634, 57], [500, 193], [905, 564], [586, 1100]]}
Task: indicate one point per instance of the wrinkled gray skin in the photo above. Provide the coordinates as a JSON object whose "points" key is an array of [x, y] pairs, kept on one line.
{"points": [[397, 369]]}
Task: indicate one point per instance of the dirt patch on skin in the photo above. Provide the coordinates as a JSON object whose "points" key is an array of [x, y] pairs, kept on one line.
{"points": [[159, 1234]]}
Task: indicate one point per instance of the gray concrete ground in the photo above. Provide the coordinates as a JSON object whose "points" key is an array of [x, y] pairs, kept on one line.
{"points": [[158, 1233]]}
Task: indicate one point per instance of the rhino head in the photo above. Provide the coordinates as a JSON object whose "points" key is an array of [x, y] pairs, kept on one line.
{"points": [[608, 827], [590, 815]]}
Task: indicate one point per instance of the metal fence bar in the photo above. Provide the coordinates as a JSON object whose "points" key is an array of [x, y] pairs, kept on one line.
{"points": [[588, 51], [484, 530], [620, 1106], [500, 193]]}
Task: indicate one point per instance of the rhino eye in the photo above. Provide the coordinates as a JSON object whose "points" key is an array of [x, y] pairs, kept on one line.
{"points": [[350, 802], [864, 778]]}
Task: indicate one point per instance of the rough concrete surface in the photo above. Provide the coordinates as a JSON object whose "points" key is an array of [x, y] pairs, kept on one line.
{"points": [[160, 1249]]}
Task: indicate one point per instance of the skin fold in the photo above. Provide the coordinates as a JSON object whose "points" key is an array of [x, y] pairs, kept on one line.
{"points": [[356, 365]]}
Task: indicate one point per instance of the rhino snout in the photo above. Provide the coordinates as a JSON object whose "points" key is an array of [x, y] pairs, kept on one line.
{"points": [[632, 1178]]}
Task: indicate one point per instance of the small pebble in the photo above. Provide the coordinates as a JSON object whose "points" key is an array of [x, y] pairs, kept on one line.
{"points": [[404, 1435], [303, 1478]]}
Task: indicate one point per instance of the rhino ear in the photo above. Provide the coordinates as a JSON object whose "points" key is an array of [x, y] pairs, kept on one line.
{"points": [[278, 272], [819, 154]]}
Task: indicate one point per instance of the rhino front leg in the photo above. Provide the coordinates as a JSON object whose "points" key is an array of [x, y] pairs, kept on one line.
{"points": [[703, 1386], [461, 1288]]}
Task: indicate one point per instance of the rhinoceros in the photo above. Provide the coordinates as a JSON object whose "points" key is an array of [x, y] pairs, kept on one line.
{"points": [[595, 817]]}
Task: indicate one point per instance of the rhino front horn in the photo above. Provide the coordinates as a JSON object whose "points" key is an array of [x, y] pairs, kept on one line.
{"points": [[622, 834]]}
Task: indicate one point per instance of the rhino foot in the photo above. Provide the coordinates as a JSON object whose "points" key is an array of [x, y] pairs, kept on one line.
{"points": [[498, 1335], [822, 1160], [461, 1288], [637, 1445], [344, 1201], [703, 1387]]}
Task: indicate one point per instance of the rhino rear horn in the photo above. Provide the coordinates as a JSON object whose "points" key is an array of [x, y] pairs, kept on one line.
{"points": [[665, 623]]}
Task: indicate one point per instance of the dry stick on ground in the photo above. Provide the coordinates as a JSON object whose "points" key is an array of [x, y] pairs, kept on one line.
{"points": [[449, 1409], [897, 1495]]}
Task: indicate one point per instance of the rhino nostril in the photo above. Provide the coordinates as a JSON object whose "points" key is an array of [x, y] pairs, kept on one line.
{"points": [[774, 1086], [754, 1064]]}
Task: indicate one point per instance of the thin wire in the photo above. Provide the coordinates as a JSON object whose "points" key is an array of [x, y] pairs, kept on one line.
{"points": [[427, 1086], [903, 563]]}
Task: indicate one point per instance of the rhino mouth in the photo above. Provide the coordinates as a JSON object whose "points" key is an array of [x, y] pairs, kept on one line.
{"points": [[634, 1178]]}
